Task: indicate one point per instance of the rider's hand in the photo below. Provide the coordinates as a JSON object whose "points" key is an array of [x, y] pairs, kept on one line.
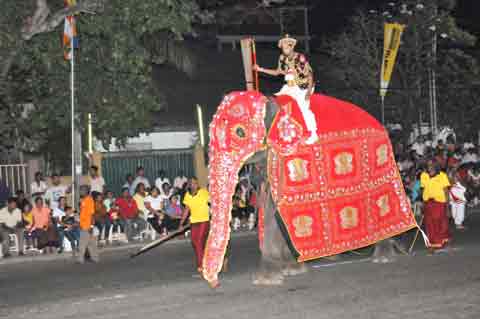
{"points": [[257, 68]]}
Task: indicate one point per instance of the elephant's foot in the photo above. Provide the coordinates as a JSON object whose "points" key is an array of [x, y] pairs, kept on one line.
{"points": [[385, 252], [295, 269], [271, 279], [383, 260]]}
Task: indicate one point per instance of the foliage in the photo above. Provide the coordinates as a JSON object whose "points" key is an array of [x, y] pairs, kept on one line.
{"points": [[359, 49], [113, 67]]}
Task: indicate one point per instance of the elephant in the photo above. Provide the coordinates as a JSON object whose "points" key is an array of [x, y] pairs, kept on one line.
{"points": [[342, 193]]}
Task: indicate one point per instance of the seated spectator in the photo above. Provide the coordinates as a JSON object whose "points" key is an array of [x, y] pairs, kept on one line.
{"points": [[129, 212], [27, 218], [11, 223], [166, 192], [58, 214], [71, 230], [118, 224], [180, 181], [470, 156], [21, 200], [162, 179], [174, 208], [109, 200], [139, 198], [102, 220], [38, 186], [154, 205], [419, 146], [41, 219]]}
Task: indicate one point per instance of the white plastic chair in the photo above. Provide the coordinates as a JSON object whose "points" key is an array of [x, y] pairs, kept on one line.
{"points": [[13, 242]]}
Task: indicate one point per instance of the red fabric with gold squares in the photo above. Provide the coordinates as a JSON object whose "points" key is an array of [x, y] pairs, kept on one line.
{"points": [[342, 193]]}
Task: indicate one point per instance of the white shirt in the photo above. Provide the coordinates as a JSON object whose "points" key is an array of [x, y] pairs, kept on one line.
{"points": [[160, 181], [38, 187], [54, 193], [180, 181], [130, 189], [470, 158], [458, 192], [97, 184], [58, 213], [155, 202], [138, 180], [419, 148], [10, 219]]}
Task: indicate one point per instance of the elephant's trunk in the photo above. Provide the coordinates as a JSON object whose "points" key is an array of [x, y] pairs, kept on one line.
{"points": [[236, 133], [222, 189]]}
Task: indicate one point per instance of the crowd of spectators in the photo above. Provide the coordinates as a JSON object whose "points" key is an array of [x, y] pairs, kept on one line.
{"points": [[444, 176], [46, 223]]}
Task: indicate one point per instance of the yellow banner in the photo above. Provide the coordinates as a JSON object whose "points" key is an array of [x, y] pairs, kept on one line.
{"points": [[391, 44]]}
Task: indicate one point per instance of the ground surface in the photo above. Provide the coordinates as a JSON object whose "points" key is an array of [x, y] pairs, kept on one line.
{"points": [[162, 285]]}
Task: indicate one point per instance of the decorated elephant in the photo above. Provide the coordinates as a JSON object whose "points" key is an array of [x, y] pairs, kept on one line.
{"points": [[342, 193]]}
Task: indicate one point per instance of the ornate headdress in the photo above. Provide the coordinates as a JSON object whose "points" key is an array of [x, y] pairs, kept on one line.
{"points": [[287, 39]]}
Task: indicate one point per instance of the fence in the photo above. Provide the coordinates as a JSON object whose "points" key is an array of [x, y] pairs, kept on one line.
{"points": [[15, 177], [116, 165]]}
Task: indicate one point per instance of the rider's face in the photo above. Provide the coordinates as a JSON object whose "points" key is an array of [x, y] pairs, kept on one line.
{"points": [[287, 48]]}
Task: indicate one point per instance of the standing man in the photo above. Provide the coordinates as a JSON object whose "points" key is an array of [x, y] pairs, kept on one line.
{"points": [[196, 206], [128, 184], [97, 183], [180, 181], [88, 238], [11, 223], [140, 178], [55, 192], [300, 82], [162, 179], [38, 186], [435, 186]]}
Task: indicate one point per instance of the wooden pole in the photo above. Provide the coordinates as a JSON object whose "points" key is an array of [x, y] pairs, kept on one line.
{"points": [[254, 58]]}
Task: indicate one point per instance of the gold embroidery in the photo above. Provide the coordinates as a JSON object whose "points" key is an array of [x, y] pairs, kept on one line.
{"points": [[343, 163], [382, 154], [349, 217], [303, 226], [384, 205], [297, 170]]}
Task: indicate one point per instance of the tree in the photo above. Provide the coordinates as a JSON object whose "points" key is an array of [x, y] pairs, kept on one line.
{"points": [[119, 41], [359, 49]]}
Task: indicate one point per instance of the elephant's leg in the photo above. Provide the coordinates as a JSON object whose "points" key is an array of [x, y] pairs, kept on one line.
{"points": [[276, 260], [385, 251], [272, 259]]}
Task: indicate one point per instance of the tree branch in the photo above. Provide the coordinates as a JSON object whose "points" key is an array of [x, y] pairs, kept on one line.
{"points": [[43, 21]]}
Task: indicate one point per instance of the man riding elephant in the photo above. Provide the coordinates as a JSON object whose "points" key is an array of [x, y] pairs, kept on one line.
{"points": [[300, 81]]}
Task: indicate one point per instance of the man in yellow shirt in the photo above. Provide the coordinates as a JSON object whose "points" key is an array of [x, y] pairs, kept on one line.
{"points": [[88, 240], [435, 186], [196, 206]]}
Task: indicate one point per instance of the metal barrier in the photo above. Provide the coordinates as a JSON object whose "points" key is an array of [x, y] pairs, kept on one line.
{"points": [[15, 177]]}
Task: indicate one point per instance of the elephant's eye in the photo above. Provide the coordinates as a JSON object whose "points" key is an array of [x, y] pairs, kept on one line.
{"points": [[240, 132]]}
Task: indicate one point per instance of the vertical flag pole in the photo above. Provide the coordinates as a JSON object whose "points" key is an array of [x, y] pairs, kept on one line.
{"points": [[72, 96]]}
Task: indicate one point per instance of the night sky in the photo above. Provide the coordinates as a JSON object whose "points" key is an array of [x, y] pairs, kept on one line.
{"points": [[330, 16]]}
